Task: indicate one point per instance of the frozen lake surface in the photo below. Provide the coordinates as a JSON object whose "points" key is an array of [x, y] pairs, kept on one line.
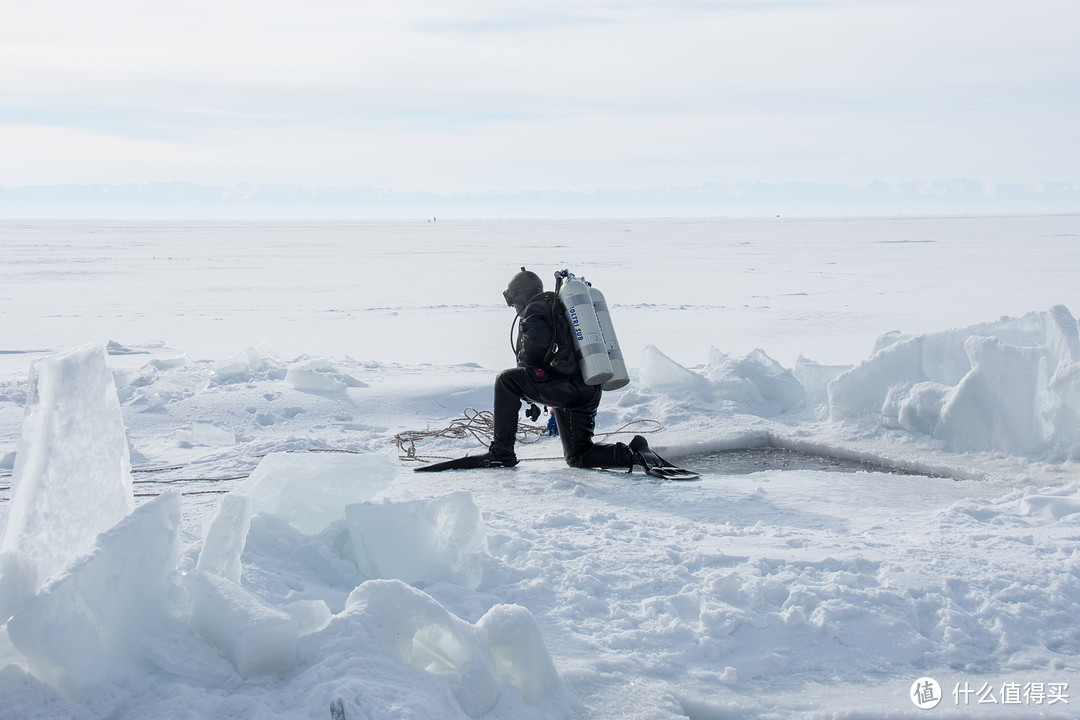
{"points": [[890, 472], [422, 292]]}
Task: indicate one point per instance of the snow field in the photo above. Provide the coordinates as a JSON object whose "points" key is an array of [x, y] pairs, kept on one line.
{"points": [[414, 293], [97, 612], [342, 579], [670, 591]]}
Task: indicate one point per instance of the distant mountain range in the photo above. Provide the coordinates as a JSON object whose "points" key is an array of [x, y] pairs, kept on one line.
{"points": [[180, 200]]}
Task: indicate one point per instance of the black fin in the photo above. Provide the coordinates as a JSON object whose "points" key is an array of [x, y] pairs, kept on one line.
{"points": [[655, 465], [469, 462]]}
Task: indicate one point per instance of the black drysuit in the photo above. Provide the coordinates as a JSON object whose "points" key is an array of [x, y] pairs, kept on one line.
{"points": [[573, 402]]}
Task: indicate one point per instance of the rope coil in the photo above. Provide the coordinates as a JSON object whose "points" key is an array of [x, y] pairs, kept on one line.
{"points": [[480, 425]]}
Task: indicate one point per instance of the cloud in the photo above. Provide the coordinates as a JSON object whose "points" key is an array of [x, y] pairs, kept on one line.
{"points": [[426, 95]]}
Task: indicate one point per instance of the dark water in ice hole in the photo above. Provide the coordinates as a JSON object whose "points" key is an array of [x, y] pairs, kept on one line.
{"points": [[743, 461]]}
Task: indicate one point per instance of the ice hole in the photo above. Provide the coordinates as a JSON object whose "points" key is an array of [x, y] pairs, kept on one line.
{"points": [[747, 460]]}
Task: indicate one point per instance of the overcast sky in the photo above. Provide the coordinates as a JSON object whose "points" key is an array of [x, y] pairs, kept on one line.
{"points": [[480, 95]]}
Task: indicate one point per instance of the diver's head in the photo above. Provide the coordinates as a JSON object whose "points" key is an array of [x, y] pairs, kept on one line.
{"points": [[522, 288]]}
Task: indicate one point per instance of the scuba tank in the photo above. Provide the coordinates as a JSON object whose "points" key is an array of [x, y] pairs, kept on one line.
{"points": [[620, 376], [585, 330]]}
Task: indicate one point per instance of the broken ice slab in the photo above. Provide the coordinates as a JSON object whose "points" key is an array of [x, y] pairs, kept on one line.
{"points": [[420, 542], [72, 472], [310, 490], [97, 610], [257, 638]]}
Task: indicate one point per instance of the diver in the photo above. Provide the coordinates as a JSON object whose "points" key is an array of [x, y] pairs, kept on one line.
{"points": [[573, 402], [548, 373]]}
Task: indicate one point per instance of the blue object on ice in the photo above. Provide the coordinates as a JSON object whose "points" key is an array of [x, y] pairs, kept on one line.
{"points": [[553, 427]]}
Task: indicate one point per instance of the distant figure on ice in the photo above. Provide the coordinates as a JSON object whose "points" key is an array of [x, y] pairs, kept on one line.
{"points": [[548, 373]]}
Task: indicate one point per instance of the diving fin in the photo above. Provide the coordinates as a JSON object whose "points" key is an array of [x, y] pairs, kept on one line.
{"points": [[469, 462], [655, 465]]}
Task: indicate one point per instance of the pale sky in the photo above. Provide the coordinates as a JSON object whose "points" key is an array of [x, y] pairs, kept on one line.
{"points": [[482, 95]]}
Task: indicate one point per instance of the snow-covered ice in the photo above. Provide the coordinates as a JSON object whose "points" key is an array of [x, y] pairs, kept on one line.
{"points": [[205, 516], [311, 492], [1005, 385], [422, 542], [256, 637], [223, 546], [72, 475], [97, 610]]}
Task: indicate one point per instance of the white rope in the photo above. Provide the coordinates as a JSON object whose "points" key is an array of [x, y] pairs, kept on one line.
{"points": [[481, 426]]}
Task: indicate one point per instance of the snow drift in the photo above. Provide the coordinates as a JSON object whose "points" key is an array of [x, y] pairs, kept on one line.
{"points": [[125, 598], [1009, 386], [319, 582], [98, 610]]}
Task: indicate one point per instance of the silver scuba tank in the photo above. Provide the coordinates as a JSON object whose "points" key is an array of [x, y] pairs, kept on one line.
{"points": [[619, 375], [585, 330]]}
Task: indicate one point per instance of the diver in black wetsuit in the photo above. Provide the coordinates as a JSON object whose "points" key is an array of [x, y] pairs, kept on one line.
{"points": [[548, 373], [534, 379]]}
